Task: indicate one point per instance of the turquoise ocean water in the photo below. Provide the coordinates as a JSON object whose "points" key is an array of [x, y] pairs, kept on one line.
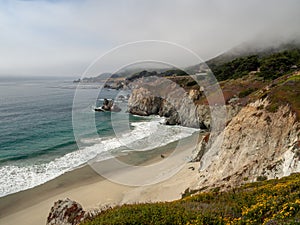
{"points": [[37, 140]]}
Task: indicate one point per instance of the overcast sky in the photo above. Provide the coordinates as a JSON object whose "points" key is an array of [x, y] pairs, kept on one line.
{"points": [[53, 37]]}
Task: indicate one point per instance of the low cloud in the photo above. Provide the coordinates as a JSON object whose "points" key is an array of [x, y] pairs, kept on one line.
{"points": [[63, 37]]}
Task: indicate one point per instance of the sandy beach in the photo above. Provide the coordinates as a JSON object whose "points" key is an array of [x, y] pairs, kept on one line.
{"points": [[84, 185]]}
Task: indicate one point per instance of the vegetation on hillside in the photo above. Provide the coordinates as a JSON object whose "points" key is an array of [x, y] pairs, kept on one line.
{"points": [[236, 68], [271, 66], [145, 73], [248, 49], [266, 202], [278, 64], [267, 66], [284, 90]]}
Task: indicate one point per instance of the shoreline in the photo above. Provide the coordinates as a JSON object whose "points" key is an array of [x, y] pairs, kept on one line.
{"points": [[91, 190], [23, 174]]}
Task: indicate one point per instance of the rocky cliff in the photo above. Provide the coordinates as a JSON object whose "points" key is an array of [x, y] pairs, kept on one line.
{"points": [[160, 96], [165, 98], [257, 144], [260, 141]]}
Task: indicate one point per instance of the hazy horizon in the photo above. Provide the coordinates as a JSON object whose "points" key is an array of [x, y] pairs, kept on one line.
{"points": [[61, 38]]}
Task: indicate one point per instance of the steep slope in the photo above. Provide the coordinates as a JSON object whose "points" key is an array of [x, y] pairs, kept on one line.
{"points": [[256, 144], [261, 142]]}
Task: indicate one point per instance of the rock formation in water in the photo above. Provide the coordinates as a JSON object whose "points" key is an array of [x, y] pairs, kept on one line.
{"points": [[109, 105]]}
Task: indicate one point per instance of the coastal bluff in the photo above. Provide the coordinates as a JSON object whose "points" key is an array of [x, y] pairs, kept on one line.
{"points": [[180, 107], [260, 140], [255, 145], [261, 136]]}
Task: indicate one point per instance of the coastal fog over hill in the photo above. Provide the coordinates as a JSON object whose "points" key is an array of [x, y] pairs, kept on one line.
{"points": [[54, 38]]}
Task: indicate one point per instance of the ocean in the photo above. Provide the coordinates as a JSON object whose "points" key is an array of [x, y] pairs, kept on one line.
{"points": [[37, 142]]}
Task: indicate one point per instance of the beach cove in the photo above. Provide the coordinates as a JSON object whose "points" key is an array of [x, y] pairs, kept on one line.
{"points": [[92, 191]]}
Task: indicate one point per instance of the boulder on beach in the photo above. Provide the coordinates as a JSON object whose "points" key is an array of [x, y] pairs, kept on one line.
{"points": [[66, 212]]}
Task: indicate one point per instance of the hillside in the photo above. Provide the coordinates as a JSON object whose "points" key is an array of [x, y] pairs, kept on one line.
{"points": [[265, 202], [249, 171], [260, 142], [269, 66]]}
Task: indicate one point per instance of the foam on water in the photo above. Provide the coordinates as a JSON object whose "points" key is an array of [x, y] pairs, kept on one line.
{"points": [[144, 136]]}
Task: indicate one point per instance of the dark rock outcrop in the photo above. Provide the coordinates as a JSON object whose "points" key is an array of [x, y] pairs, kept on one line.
{"points": [[108, 105]]}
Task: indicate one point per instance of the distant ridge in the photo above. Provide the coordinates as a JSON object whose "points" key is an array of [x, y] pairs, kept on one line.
{"points": [[249, 48], [242, 50]]}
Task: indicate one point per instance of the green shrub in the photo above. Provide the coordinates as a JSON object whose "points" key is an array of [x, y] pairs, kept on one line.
{"points": [[261, 178], [278, 64], [246, 92], [238, 67]]}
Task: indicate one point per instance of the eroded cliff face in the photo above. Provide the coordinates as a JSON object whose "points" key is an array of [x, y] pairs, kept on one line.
{"points": [[143, 103], [256, 144], [165, 98], [160, 96]]}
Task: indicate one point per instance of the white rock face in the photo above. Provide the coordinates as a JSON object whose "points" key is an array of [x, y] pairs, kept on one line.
{"points": [[255, 143]]}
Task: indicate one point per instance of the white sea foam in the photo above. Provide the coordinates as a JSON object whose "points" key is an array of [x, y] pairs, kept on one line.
{"points": [[144, 136], [102, 99]]}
